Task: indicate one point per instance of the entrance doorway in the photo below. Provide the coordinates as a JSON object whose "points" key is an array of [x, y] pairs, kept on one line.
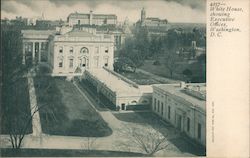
{"points": [[123, 106]]}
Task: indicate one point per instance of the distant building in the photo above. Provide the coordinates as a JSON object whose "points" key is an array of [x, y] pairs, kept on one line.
{"points": [[49, 23], [91, 19], [151, 21], [184, 106], [154, 25]]}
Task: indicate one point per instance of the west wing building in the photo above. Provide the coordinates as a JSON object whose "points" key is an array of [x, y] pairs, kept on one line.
{"points": [[120, 91], [184, 106]]}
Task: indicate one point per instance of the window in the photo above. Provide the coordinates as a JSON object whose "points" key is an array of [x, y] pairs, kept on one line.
{"points": [[158, 106], [161, 108], [60, 63], [169, 112], [199, 131], [106, 61], [61, 50], [84, 50], [154, 104], [71, 50], [188, 124], [106, 50], [71, 63]]}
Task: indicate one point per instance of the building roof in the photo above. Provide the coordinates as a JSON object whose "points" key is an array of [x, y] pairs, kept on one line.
{"points": [[38, 32], [79, 33], [188, 94], [114, 83]]}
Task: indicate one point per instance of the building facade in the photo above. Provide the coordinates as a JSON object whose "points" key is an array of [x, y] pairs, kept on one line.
{"points": [[76, 51], [151, 21], [68, 52], [91, 19], [184, 107]]}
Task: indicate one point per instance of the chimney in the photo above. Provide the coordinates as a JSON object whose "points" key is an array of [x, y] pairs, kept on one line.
{"points": [[182, 84]]}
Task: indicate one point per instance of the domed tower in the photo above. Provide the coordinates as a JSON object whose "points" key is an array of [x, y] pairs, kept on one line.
{"points": [[143, 15]]}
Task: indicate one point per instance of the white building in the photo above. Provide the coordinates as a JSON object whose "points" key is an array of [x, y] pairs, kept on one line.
{"points": [[91, 19], [120, 91], [184, 106], [76, 51]]}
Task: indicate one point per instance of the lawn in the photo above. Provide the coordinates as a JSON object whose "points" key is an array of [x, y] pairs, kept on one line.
{"points": [[198, 70], [66, 111], [66, 153], [139, 78], [15, 107]]}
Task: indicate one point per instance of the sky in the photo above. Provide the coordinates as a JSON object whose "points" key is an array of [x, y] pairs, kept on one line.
{"points": [[173, 10]]}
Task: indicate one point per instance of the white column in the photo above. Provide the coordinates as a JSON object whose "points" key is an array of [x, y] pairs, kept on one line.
{"points": [[39, 53], [23, 61], [33, 52]]}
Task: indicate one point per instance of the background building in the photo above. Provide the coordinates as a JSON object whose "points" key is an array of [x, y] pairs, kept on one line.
{"points": [[91, 19], [155, 26], [184, 106]]}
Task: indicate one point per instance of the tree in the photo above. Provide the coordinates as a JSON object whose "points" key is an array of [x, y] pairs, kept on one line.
{"points": [[187, 73], [124, 64], [19, 126], [146, 139], [171, 59]]}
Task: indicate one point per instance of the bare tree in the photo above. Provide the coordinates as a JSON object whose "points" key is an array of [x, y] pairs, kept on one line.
{"points": [[19, 127], [146, 139], [171, 62], [89, 143]]}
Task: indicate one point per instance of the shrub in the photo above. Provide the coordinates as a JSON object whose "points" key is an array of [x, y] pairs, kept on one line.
{"points": [[156, 62], [117, 108]]}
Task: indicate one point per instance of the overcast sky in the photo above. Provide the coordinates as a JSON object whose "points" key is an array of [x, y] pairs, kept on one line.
{"points": [[173, 10]]}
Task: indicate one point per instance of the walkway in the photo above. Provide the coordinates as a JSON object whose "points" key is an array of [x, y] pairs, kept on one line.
{"points": [[36, 125]]}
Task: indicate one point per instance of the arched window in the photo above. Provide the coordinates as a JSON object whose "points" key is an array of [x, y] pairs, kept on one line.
{"points": [[84, 50]]}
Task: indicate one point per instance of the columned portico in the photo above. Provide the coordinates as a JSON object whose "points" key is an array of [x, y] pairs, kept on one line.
{"points": [[35, 48], [33, 52]]}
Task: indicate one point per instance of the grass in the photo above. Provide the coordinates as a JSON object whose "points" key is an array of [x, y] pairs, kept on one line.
{"points": [[15, 107], [139, 78], [67, 112], [197, 69], [66, 153]]}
